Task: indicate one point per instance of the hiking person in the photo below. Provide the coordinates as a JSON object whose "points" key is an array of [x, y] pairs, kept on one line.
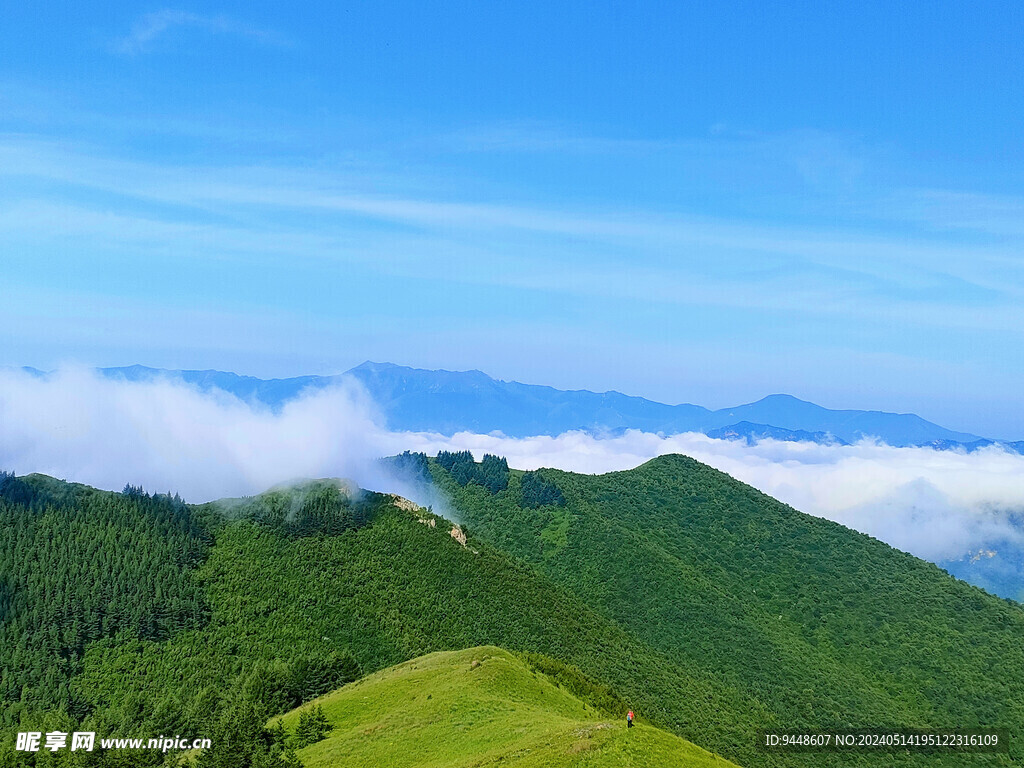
{"points": [[629, 719]]}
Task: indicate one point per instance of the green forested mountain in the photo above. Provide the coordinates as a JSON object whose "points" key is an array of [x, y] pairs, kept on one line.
{"points": [[301, 591], [710, 609], [814, 625], [77, 565]]}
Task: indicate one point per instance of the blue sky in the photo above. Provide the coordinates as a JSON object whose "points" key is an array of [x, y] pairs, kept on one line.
{"points": [[692, 202]]}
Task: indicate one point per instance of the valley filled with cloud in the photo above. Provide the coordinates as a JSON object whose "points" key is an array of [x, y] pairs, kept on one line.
{"points": [[168, 436]]}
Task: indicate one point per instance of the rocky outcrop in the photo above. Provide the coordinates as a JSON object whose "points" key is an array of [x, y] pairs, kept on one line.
{"points": [[404, 504]]}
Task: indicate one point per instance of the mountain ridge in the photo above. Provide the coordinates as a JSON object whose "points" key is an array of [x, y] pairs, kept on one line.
{"points": [[415, 399], [448, 402], [480, 706]]}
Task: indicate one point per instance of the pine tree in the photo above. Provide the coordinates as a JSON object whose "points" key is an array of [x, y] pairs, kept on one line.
{"points": [[536, 492], [313, 727]]}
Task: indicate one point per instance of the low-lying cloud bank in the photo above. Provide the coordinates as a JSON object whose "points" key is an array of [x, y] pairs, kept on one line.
{"points": [[164, 435], [939, 505]]}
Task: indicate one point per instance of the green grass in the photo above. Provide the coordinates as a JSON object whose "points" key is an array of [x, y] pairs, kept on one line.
{"points": [[481, 707]]}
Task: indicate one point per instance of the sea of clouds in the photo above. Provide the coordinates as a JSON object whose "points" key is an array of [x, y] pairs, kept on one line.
{"points": [[168, 436]]}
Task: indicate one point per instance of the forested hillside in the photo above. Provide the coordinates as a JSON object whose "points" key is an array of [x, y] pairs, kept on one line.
{"points": [[711, 610], [300, 591], [77, 565], [819, 625]]}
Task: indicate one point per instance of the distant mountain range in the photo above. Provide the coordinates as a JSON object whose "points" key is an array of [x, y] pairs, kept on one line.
{"points": [[447, 402]]}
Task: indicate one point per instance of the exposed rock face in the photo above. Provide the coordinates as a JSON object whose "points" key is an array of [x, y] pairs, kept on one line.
{"points": [[403, 503], [407, 506]]}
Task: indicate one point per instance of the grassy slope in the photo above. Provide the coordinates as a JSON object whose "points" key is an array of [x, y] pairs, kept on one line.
{"points": [[818, 625], [479, 707]]}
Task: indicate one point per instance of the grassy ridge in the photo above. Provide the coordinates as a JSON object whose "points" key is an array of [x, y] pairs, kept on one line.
{"points": [[478, 707]]}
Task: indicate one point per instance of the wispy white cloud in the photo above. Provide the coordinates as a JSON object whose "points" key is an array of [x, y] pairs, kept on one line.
{"points": [[674, 258], [999, 216], [818, 157], [167, 436], [783, 305], [938, 505], [801, 291], [152, 26]]}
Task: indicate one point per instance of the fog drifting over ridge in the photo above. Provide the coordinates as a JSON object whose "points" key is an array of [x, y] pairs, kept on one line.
{"points": [[165, 435]]}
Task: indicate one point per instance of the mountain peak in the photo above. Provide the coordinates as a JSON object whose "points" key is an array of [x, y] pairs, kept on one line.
{"points": [[373, 367], [781, 397]]}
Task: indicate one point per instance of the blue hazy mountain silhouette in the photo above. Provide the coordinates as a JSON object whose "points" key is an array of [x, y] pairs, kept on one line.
{"points": [[455, 401]]}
